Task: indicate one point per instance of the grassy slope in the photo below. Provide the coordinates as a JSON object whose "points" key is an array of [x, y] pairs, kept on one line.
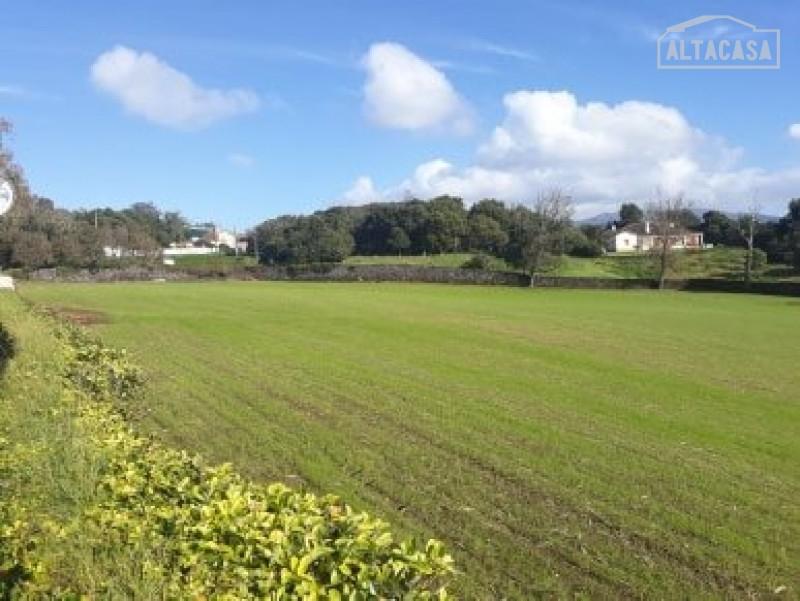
{"points": [[443, 260], [619, 444], [717, 262], [213, 261]]}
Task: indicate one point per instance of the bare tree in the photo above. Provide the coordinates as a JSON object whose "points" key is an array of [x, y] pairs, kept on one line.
{"points": [[542, 231], [746, 226], [667, 217]]}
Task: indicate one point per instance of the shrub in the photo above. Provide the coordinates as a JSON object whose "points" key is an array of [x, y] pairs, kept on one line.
{"points": [[478, 261], [759, 260], [100, 371], [8, 347]]}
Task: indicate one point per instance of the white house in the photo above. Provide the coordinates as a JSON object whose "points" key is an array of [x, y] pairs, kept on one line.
{"points": [[642, 237], [209, 243], [118, 252]]}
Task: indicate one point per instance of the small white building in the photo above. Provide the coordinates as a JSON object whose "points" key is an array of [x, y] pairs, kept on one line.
{"points": [[642, 237], [625, 241], [189, 250], [118, 252]]}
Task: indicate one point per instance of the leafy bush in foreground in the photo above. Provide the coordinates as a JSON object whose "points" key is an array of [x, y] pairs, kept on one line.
{"points": [[181, 530]]}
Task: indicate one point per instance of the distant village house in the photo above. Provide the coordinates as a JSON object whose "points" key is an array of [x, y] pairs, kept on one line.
{"points": [[642, 237], [202, 241]]}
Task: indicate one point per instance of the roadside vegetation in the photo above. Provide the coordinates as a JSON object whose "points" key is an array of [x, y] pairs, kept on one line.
{"points": [[561, 443], [90, 510]]}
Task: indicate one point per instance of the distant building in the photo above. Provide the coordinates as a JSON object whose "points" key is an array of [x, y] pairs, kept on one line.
{"points": [[118, 252], [642, 237], [208, 240], [189, 248]]}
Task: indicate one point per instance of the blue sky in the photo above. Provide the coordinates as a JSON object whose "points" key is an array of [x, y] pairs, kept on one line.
{"points": [[236, 112]]}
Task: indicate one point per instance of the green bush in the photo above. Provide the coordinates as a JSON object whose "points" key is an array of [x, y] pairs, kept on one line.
{"points": [[8, 347], [478, 261], [99, 371]]}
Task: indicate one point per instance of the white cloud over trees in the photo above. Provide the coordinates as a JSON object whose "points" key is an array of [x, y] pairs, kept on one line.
{"points": [[149, 87]]}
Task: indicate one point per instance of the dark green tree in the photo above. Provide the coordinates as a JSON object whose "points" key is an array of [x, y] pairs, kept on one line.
{"points": [[486, 234], [446, 224], [630, 213], [398, 240]]}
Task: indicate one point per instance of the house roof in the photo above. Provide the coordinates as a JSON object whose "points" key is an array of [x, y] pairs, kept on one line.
{"points": [[641, 230]]}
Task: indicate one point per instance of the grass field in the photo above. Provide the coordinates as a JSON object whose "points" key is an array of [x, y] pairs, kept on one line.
{"points": [[563, 443]]}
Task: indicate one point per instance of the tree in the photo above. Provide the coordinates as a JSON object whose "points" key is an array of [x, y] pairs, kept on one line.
{"points": [[667, 216], [293, 240], [446, 224], [398, 240], [494, 209], [630, 213], [719, 229], [747, 230], [486, 234], [583, 242], [539, 235], [31, 250], [794, 220]]}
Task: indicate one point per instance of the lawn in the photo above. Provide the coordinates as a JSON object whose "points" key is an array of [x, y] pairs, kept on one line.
{"points": [[563, 443]]}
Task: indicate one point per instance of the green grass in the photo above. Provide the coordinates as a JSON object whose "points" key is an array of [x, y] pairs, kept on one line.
{"points": [[213, 261], [562, 443], [442, 260], [712, 263]]}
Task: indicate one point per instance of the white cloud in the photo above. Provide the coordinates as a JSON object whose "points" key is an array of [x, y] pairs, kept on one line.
{"points": [[149, 87], [238, 159], [504, 51], [362, 192], [404, 91], [601, 154], [794, 131]]}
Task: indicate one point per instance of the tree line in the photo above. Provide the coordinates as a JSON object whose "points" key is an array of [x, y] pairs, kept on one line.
{"points": [[440, 225], [35, 233], [529, 237]]}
